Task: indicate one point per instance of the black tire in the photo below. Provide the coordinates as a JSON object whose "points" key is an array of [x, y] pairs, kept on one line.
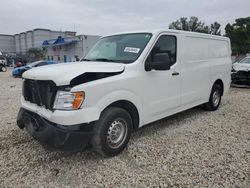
{"points": [[3, 69], [211, 105], [103, 128]]}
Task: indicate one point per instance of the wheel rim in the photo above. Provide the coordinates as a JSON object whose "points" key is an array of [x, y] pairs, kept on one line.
{"points": [[216, 98], [4, 69], [117, 133]]}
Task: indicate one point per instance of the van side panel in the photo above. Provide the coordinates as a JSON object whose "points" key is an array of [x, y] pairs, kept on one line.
{"points": [[220, 57], [195, 69]]}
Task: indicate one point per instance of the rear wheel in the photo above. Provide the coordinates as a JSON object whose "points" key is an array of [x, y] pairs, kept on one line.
{"points": [[215, 98], [112, 131]]}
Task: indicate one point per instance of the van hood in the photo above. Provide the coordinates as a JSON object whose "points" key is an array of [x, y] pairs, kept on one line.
{"points": [[63, 73]]}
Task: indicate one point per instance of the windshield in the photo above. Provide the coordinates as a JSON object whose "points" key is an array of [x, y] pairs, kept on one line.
{"points": [[33, 64], [245, 61], [124, 48]]}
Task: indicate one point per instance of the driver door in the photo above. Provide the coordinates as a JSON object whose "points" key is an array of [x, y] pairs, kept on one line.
{"points": [[162, 89]]}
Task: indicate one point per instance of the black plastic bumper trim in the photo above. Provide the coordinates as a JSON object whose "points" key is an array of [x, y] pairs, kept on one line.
{"points": [[55, 136]]}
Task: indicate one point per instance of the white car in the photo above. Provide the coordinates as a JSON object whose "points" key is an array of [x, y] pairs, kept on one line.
{"points": [[241, 72], [244, 65], [3, 64], [126, 81]]}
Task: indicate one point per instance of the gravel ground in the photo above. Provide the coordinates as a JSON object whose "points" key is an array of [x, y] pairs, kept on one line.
{"points": [[194, 148]]}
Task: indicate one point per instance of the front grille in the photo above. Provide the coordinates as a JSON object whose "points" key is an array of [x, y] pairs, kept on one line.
{"points": [[39, 92], [245, 74]]}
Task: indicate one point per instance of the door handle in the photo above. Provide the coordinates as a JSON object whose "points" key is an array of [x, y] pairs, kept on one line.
{"points": [[175, 73]]}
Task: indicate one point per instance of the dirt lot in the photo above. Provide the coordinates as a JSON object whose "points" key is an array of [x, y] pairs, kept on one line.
{"points": [[195, 148]]}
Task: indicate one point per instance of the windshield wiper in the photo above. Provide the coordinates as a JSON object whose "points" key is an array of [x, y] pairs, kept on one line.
{"points": [[104, 59]]}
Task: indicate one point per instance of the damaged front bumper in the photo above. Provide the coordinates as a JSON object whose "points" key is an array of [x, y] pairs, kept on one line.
{"points": [[55, 136], [241, 77]]}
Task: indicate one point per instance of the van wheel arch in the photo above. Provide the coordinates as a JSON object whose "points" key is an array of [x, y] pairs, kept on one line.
{"points": [[215, 96], [130, 108], [220, 83]]}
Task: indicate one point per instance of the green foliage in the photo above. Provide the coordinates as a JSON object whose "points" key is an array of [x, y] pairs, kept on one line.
{"points": [[215, 29], [239, 34], [34, 54], [195, 25]]}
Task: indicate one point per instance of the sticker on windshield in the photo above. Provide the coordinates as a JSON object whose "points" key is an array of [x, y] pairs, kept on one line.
{"points": [[132, 50]]}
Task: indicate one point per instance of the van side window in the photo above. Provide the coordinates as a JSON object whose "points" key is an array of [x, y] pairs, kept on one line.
{"points": [[165, 44]]}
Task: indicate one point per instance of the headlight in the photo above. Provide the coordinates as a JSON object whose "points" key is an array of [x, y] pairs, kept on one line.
{"points": [[66, 100]]}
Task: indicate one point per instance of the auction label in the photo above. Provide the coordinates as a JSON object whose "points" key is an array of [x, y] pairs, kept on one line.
{"points": [[132, 50]]}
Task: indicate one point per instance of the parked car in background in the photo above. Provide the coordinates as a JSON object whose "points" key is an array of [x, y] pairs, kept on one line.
{"points": [[241, 72], [18, 71], [3, 60], [3, 64]]}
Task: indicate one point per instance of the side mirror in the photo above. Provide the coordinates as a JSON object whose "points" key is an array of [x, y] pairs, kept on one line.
{"points": [[161, 61]]}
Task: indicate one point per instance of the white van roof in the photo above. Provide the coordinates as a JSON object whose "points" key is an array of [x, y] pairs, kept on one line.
{"points": [[158, 31]]}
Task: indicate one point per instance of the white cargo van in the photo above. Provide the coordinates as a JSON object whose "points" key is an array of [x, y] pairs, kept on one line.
{"points": [[126, 81]]}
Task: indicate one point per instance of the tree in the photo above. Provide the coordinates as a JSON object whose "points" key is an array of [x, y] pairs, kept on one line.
{"points": [[34, 54], [194, 24], [215, 29], [239, 34]]}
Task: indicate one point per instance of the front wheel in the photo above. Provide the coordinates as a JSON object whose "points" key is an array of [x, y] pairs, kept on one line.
{"points": [[112, 132], [215, 98]]}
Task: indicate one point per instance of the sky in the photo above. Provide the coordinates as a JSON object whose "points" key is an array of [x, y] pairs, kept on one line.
{"points": [[102, 17]]}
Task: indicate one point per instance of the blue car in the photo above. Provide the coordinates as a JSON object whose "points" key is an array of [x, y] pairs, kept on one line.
{"points": [[18, 71]]}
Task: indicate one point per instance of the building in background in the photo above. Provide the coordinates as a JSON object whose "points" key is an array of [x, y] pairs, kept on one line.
{"points": [[66, 49], [60, 46], [7, 44], [22, 42]]}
